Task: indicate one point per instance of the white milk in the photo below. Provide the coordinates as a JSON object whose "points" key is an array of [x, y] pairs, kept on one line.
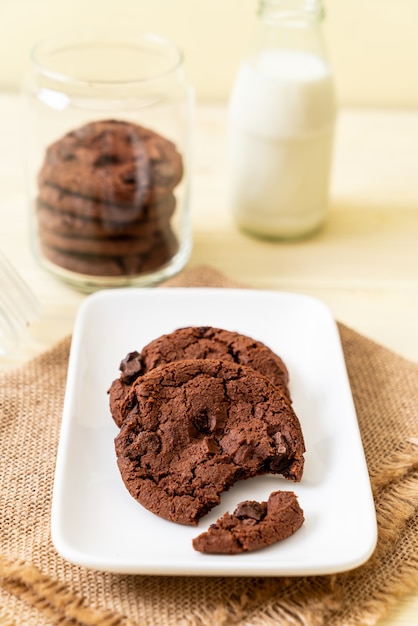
{"points": [[281, 119]]}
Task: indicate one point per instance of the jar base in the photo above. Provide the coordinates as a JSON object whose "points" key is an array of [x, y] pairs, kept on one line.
{"points": [[89, 283]]}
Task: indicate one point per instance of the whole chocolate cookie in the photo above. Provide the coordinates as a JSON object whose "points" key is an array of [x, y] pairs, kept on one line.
{"points": [[66, 202], [105, 246], [253, 525], [197, 342], [193, 428], [113, 161], [70, 225], [113, 266]]}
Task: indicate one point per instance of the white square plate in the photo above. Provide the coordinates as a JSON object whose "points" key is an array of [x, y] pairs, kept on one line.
{"points": [[97, 524]]}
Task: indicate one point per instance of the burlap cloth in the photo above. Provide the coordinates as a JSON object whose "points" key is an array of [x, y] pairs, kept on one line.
{"points": [[37, 587]]}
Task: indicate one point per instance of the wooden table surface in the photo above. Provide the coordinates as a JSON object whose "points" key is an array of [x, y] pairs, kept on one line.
{"points": [[363, 264]]}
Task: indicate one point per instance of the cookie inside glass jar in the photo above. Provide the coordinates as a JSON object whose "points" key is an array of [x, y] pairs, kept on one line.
{"points": [[106, 200]]}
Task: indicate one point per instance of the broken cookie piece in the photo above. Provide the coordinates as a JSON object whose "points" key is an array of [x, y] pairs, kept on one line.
{"points": [[253, 525]]}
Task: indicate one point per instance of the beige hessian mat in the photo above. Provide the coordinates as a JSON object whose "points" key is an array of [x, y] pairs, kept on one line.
{"points": [[37, 587]]}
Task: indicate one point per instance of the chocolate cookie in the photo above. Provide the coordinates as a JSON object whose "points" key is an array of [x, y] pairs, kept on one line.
{"points": [[193, 428], [253, 525], [200, 342], [113, 161], [105, 246], [113, 266], [66, 202], [68, 225]]}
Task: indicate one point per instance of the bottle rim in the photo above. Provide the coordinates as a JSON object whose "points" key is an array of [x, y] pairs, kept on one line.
{"points": [[44, 54]]}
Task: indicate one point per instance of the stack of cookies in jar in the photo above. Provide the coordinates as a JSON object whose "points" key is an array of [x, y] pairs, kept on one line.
{"points": [[106, 200]]}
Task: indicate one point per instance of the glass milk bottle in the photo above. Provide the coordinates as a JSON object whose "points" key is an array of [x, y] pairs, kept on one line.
{"points": [[281, 118]]}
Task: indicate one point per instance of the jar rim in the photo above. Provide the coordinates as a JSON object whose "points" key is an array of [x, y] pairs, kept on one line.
{"points": [[169, 54]]}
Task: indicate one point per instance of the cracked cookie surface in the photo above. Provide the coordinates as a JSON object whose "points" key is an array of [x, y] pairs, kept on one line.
{"points": [[192, 428], [196, 342]]}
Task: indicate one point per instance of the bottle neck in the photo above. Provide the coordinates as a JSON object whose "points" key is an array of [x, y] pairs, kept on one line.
{"points": [[291, 11], [291, 24]]}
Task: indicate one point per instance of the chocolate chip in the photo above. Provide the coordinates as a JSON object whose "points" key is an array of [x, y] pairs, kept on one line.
{"points": [[251, 509], [106, 159], [131, 366]]}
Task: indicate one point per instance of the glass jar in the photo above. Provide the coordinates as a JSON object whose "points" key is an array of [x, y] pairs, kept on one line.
{"points": [[281, 123], [108, 119]]}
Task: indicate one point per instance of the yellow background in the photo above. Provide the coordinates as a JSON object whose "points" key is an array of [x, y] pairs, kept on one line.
{"points": [[373, 44]]}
